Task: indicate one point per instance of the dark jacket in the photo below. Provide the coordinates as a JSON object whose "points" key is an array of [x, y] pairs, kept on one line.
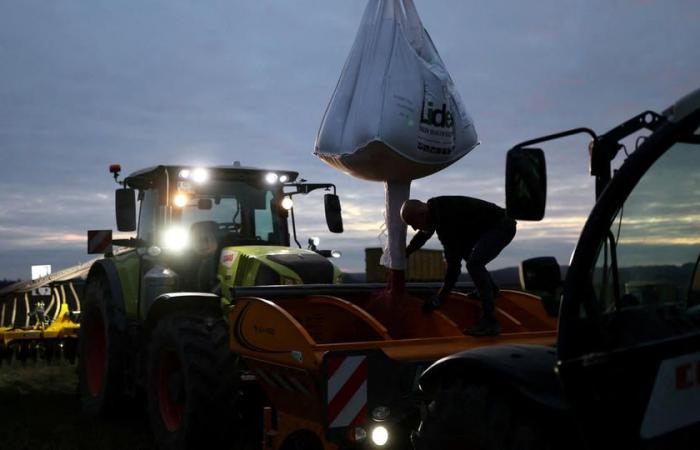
{"points": [[459, 223]]}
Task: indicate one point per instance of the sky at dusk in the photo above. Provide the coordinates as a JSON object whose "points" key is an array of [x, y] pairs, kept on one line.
{"points": [[84, 84]]}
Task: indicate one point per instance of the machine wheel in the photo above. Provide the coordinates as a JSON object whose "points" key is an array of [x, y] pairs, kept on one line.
{"points": [[483, 417], [102, 350], [192, 388]]}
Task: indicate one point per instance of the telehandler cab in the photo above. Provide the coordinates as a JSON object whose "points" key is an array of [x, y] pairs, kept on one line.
{"points": [[627, 362]]}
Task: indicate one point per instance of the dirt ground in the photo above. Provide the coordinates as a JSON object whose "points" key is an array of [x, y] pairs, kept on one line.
{"points": [[39, 409]]}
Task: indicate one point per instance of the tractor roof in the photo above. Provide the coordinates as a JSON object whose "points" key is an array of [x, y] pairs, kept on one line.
{"points": [[144, 177]]}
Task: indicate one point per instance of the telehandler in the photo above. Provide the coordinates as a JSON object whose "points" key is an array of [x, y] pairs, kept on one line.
{"points": [[626, 370]]}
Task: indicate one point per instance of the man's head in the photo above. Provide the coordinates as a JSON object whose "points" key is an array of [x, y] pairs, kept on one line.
{"points": [[416, 214]]}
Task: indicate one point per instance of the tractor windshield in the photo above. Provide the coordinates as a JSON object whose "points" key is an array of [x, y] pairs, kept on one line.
{"points": [[238, 212]]}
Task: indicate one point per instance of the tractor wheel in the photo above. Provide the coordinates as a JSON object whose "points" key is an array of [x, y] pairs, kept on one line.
{"points": [[102, 351], [192, 388], [484, 417]]}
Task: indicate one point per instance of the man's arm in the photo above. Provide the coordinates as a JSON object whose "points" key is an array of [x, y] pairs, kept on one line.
{"points": [[419, 239], [454, 268]]}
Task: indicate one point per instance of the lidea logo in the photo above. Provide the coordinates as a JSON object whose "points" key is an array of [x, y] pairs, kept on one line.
{"points": [[440, 118]]}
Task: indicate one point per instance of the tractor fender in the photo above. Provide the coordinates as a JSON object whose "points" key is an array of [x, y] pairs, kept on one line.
{"points": [[525, 369], [180, 302], [108, 270]]}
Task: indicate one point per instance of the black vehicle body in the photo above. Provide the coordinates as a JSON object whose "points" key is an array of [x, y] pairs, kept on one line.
{"points": [[626, 373]]}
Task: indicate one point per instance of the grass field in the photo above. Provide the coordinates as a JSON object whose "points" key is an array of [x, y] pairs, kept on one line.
{"points": [[39, 409]]}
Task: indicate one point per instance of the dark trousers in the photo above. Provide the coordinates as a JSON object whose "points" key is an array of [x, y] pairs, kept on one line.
{"points": [[486, 249]]}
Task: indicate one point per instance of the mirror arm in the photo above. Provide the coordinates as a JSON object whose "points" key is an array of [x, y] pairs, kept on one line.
{"points": [[130, 242], [551, 137], [294, 227], [305, 188]]}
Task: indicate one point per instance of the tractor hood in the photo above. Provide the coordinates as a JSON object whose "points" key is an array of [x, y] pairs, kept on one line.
{"points": [[259, 265]]}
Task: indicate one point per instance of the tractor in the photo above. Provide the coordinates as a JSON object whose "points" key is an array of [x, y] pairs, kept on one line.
{"points": [[143, 335]]}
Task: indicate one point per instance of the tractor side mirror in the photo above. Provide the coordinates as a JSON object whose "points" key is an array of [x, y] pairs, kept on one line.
{"points": [[526, 183], [334, 218], [125, 207], [542, 276]]}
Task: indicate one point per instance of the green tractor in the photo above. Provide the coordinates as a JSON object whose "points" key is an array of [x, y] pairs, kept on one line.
{"points": [[153, 321]]}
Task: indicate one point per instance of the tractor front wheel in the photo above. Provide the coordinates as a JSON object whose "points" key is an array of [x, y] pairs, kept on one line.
{"points": [[102, 349], [191, 383]]}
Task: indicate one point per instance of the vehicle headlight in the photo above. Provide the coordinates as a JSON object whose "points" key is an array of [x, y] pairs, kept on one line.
{"points": [[175, 238], [380, 436], [180, 200], [287, 203], [271, 177], [200, 175]]}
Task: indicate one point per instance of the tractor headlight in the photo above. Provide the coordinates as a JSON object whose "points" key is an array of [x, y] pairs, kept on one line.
{"points": [[175, 238], [271, 178], [200, 175], [287, 203], [380, 436], [284, 178], [180, 200]]}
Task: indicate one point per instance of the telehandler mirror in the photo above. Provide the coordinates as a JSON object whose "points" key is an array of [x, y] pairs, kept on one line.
{"points": [[125, 207], [526, 183], [334, 218]]}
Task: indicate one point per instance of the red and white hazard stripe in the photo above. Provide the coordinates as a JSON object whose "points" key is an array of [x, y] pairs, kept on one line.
{"points": [[99, 241], [347, 390]]}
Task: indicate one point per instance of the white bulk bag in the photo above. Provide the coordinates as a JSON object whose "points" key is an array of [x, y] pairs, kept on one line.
{"points": [[395, 114]]}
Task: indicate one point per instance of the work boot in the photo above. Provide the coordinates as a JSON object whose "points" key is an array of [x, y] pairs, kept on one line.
{"points": [[485, 327]]}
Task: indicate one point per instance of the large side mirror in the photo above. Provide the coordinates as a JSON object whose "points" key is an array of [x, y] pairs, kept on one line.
{"points": [[125, 206], [526, 183], [334, 219]]}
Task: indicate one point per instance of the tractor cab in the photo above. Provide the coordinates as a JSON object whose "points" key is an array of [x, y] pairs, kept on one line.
{"points": [[210, 229]]}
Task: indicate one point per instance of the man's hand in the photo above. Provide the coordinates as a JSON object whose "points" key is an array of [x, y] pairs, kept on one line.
{"points": [[433, 302]]}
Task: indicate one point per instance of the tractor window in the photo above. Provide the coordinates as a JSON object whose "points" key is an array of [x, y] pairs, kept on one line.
{"points": [[263, 219], [147, 215], [649, 256], [241, 212]]}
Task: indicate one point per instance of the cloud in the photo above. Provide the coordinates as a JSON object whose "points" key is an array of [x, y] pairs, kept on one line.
{"points": [[85, 84]]}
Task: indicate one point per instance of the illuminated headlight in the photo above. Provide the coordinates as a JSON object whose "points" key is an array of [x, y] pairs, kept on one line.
{"points": [[180, 200], [287, 203], [200, 175], [185, 174], [315, 240], [336, 254], [284, 178], [175, 238], [271, 178], [380, 436]]}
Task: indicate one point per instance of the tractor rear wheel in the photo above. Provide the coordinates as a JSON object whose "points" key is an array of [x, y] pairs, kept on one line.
{"points": [[192, 390], [484, 417], [102, 350]]}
